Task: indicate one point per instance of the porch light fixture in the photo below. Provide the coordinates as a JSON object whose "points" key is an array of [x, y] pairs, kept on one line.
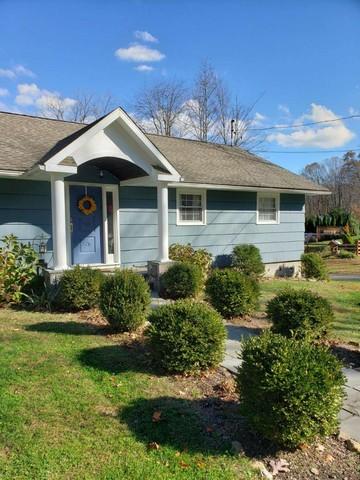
{"points": [[42, 248]]}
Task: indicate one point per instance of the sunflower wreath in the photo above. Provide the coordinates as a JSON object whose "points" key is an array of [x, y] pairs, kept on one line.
{"points": [[87, 205]]}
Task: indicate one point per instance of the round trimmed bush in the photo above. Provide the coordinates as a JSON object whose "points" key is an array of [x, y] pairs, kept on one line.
{"points": [[313, 266], [186, 336], [290, 390], [125, 300], [300, 313], [181, 280], [247, 259], [79, 289], [232, 293]]}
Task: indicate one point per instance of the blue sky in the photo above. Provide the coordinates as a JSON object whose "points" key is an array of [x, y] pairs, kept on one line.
{"points": [[301, 56]]}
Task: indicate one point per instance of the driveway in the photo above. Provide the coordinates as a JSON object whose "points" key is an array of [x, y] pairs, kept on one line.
{"points": [[350, 413]]}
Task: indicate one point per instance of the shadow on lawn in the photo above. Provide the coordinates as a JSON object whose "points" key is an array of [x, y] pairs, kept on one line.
{"points": [[68, 328], [207, 425], [114, 359]]}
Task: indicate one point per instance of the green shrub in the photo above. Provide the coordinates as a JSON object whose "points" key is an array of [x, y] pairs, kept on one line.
{"points": [[18, 264], [125, 299], [345, 254], [232, 293], [181, 280], [186, 336], [300, 313], [39, 295], [79, 289], [186, 253], [313, 266], [247, 259], [290, 390]]}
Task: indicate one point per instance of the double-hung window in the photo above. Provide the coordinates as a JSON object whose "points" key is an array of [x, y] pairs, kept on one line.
{"points": [[268, 208], [191, 207]]}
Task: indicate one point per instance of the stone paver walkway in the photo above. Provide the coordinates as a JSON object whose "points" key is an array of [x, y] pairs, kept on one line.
{"points": [[350, 413]]}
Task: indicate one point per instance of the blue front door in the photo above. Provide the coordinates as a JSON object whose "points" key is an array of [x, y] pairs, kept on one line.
{"points": [[87, 230]]}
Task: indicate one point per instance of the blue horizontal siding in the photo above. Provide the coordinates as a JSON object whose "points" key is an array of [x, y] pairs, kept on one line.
{"points": [[25, 211], [231, 220]]}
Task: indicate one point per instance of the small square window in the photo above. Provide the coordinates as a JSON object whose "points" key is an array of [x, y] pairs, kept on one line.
{"points": [[191, 207], [267, 208]]}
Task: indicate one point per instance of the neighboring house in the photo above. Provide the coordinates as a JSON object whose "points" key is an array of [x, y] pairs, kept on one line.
{"points": [[106, 193]]}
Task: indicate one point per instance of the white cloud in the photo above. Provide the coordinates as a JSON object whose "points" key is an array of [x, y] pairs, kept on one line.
{"points": [[354, 111], [139, 53], [284, 109], [326, 135], [145, 36], [258, 119], [144, 68], [7, 73], [4, 92], [17, 71], [29, 94]]}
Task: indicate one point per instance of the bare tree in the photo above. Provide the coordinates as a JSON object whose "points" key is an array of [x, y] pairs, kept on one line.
{"points": [[160, 108], [202, 108], [83, 108], [341, 175], [233, 126]]}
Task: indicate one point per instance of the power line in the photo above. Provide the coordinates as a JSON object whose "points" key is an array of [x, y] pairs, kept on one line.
{"points": [[308, 151], [297, 125]]}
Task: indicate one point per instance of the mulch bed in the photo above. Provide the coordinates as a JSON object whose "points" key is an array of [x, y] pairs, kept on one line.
{"points": [[219, 408]]}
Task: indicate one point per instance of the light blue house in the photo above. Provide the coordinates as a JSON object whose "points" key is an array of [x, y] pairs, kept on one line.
{"points": [[107, 194]]}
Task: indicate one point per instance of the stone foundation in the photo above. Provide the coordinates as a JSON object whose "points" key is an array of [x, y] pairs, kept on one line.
{"points": [[283, 270]]}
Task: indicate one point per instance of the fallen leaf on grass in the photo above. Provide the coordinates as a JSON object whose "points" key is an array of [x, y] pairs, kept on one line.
{"points": [[183, 464], [153, 446], [156, 416]]}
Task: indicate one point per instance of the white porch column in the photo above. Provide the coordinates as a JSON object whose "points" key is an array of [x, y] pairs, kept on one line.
{"points": [[163, 222], [58, 221]]}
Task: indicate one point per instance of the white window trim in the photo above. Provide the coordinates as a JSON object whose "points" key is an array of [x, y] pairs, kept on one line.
{"points": [[196, 191], [277, 203]]}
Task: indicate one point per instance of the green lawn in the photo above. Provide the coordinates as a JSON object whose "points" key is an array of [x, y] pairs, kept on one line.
{"points": [[78, 404], [344, 296]]}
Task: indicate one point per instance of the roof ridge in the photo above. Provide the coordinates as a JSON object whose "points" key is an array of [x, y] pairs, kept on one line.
{"points": [[42, 118]]}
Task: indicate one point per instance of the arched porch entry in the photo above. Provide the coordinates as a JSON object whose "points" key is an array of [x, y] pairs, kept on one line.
{"points": [[85, 212]]}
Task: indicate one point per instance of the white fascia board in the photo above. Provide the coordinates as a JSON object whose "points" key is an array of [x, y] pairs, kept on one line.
{"points": [[135, 130], [210, 186], [11, 173]]}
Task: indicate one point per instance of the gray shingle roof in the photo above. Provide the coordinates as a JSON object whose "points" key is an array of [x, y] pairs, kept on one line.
{"points": [[26, 141]]}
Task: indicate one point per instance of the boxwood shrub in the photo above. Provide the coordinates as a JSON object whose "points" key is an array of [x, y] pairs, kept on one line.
{"points": [[300, 313], [290, 390], [247, 259], [186, 253], [313, 266], [181, 280], [232, 293], [125, 299], [79, 289], [186, 336]]}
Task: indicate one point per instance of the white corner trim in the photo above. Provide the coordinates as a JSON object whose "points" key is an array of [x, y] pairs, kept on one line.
{"points": [[195, 191], [272, 194]]}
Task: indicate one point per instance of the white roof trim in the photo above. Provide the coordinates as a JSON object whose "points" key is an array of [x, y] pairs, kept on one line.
{"points": [[11, 173], [210, 186], [128, 124]]}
